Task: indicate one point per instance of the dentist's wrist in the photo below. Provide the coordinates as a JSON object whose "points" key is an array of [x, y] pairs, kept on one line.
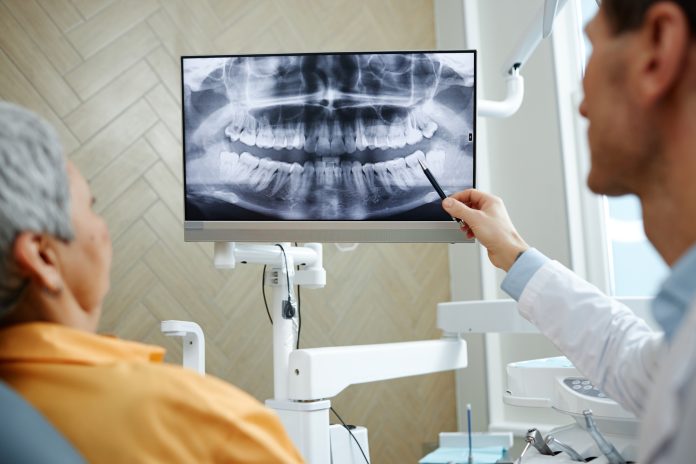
{"points": [[512, 253]]}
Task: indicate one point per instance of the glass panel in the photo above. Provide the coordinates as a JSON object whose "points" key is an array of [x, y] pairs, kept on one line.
{"points": [[637, 269]]}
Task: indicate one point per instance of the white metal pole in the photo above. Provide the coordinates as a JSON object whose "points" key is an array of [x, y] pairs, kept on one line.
{"points": [[283, 333]]}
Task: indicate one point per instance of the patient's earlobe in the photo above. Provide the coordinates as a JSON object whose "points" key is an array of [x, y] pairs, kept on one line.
{"points": [[37, 261]]}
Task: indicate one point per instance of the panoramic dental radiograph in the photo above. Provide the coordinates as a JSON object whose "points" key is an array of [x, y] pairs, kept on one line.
{"points": [[326, 136]]}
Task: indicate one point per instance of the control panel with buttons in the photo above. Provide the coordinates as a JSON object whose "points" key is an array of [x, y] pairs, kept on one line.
{"points": [[583, 387]]}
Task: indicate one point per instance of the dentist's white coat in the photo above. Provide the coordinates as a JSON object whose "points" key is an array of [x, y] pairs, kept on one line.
{"points": [[629, 361]]}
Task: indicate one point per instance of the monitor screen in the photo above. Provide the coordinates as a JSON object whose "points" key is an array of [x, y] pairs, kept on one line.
{"points": [[325, 146]]}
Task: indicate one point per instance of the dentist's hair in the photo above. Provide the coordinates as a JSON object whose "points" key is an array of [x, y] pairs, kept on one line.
{"points": [[34, 191], [627, 15]]}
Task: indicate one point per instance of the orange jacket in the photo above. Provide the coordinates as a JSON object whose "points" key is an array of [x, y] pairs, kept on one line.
{"points": [[116, 402]]}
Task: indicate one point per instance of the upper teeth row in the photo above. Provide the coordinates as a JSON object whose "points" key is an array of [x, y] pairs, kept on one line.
{"points": [[331, 136], [260, 174]]}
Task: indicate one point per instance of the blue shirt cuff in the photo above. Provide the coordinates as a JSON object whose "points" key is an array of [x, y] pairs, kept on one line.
{"points": [[522, 271]]}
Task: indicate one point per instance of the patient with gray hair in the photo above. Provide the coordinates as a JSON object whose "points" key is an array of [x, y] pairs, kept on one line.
{"points": [[30, 156], [55, 255]]}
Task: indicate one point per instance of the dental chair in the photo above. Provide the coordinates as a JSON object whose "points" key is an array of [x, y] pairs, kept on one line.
{"points": [[26, 437]]}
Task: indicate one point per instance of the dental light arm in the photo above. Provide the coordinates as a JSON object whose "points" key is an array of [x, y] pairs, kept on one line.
{"points": [[540, 28]]}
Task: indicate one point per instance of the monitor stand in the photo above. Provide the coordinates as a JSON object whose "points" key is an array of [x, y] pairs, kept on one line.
{"points": [[305, 379]]}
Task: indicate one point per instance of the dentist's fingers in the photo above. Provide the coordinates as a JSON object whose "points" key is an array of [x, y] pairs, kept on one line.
{"points": [[488, 221], [458, 209]]}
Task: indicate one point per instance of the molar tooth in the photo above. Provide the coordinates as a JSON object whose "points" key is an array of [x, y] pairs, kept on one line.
{"points": [[426, 125], [294, 141], [248, 138], [228, 165], [396, 137], [413, 136], [415, 171], [358, 177], [248, 134], [412, 159], [436, 162], [296, 171], [234, 129], [399, 171], [249, 130], [232, 133], [282, 177], [249, 160], [369, 170], [381, 171], [381, 132], [280, 138], [247, 163], [429, 129], [262, 176], [264, 137]]}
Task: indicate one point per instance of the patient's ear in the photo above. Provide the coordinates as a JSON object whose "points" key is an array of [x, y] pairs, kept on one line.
{"points": [[37, 260]]}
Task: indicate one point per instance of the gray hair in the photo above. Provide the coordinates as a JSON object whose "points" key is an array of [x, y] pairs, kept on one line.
{"points": [[34, 191]]}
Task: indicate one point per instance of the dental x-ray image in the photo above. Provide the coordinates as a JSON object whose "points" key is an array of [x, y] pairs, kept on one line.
{"points": [[333, 137]]}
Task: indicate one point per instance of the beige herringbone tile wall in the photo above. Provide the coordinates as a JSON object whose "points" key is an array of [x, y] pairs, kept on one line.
{"points": [[106, 74]]}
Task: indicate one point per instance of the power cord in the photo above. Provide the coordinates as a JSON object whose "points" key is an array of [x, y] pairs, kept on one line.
{"points": [[299, 312], [299, 300], [288, 310], [347, 427], [263, 292]]}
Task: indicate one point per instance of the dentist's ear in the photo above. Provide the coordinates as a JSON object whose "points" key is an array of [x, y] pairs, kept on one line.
{"points": [[658, 63], [37, 261]]}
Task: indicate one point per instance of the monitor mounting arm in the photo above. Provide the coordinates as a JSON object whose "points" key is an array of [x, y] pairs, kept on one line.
{"points": [[539, 29], [306, 379]]}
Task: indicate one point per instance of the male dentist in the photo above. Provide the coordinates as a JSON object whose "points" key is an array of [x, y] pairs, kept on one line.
{"points": [[640, 101]]}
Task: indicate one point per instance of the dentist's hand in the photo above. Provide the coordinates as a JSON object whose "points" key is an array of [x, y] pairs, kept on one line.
{"points": [[487, 220]]}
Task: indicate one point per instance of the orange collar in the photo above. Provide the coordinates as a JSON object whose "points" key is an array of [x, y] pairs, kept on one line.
{"points": [[54, 343]]}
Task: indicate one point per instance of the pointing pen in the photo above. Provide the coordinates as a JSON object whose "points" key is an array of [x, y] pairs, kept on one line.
{"points": [[437, 187]]}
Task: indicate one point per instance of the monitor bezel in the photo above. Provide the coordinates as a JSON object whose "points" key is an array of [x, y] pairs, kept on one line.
{"points": [[325, 231]]}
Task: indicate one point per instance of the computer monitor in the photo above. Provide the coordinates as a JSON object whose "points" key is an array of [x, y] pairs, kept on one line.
{"points": [[324, 147]]}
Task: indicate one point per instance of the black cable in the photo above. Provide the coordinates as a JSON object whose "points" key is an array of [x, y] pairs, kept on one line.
{"points": [[299, 313], [351, 434], [299, 317], [287, 270], [263, 292], [288, 309]]}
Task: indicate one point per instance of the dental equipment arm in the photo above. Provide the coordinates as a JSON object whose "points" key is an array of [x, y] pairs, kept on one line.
{"points": [[540, 28], [324, 372]]}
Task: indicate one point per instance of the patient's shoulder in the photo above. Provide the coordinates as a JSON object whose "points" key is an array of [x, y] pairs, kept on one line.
{"points": [[175, 386]]}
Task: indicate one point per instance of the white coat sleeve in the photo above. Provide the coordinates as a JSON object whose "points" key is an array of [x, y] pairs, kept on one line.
{"points": [[605, 341]]}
